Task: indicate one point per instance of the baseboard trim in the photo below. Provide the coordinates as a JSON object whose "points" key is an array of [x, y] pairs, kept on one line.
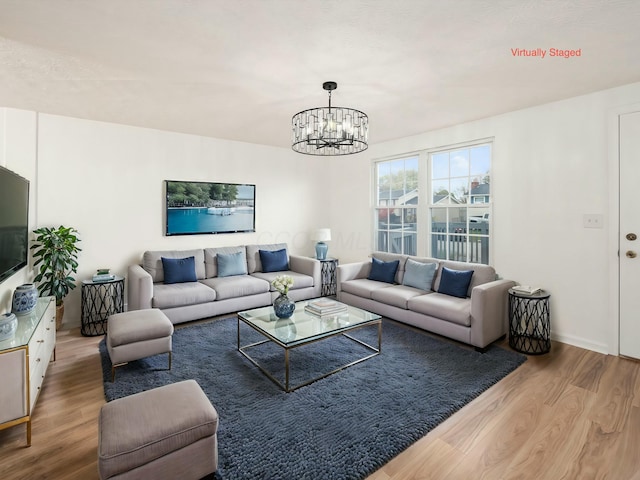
{"points": [[581, 342]]}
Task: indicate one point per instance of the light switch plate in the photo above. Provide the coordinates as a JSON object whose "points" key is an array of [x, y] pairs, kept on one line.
{"points": [[592, 220]]}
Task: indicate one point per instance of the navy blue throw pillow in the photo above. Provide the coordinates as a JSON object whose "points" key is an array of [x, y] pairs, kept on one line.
{"points": [[455, 282], [179, 270], [274, 260], [383, 271]]}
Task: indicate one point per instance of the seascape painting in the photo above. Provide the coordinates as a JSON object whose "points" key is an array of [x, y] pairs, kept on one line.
{"points": [[206, 207]]}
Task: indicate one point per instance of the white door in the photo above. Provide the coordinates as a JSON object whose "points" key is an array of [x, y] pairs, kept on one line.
{"points": [[630, 234]]}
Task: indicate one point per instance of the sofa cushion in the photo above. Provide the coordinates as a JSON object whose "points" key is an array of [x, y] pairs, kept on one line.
{"points": [[253, 256], [181, 294], [230, 264], [211, 258], [300, 280], [481, 273], [455, 282], [396, 295], [383, 271], [274, 260], [179, 270], [236, 286], [152, 262], [363, 287], [452, 309], [419, 275], [392, 257]]}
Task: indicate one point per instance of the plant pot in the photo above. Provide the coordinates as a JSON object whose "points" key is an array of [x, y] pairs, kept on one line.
{"points": [[59, 315]]}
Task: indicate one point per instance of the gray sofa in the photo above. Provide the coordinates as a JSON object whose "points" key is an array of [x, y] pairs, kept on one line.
{"points": [[478, 319], [213, 294]]}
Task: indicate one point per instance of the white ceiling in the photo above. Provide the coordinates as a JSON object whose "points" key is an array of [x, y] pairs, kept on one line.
{"points": [[239, 69]]}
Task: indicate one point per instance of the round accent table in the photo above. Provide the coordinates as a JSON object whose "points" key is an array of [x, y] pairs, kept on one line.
{"points": [[99, 300], [529, 322]]}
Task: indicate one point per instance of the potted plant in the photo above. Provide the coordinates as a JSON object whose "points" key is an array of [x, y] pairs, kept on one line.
{"points": [[56, 253]]}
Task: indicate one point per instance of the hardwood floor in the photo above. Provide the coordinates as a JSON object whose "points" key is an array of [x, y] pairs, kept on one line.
{"points": [[570, 414]]}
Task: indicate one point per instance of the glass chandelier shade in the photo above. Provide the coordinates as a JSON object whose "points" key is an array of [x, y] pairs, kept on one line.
{"points": [[330, 130]]}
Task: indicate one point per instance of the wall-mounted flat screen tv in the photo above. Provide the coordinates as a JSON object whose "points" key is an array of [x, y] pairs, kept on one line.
{"points": [[194, 208], [14, 222]]}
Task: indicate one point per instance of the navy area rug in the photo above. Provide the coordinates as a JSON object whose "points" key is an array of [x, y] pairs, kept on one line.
{"points": [[344, 426]]}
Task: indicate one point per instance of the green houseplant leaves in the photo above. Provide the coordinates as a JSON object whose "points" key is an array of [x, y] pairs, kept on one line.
{"points": [[56, 254]]}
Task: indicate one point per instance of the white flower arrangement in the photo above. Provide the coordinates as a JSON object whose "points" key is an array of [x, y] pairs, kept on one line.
{"points": [[282, 283]]}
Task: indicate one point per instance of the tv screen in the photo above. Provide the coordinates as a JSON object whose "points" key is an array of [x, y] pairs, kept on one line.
{"points": [[14, 222], [194, 208]]}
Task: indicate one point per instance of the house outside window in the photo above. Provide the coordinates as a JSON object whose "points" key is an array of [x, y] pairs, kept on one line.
{"points": [[459, 211], [453, 222]]}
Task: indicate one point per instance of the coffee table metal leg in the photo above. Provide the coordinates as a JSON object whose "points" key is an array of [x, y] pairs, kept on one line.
{"points": [[286, 370]]}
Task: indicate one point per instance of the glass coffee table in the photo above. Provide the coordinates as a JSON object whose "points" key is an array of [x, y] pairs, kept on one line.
{"points": [[302, 329]]}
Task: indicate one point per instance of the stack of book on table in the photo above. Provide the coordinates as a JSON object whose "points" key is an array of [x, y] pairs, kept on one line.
{"points": [[325, 307], [103, 275], [526, 289]]}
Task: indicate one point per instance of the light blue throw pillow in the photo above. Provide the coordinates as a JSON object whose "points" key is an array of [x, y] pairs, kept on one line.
{"points": [[230, 264], [419, 275]]}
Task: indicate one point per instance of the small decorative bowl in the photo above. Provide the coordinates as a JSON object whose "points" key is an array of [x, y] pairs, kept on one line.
{"points": [[8, 326]]}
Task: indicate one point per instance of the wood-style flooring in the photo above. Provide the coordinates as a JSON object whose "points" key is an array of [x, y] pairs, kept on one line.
{"points": [[570, 414]]}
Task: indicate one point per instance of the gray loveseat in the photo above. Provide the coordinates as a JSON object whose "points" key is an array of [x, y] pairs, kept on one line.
{"points": [[212, 294], [477, 318]]}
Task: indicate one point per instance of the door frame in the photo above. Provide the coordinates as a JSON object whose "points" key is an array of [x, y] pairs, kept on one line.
{"points": [[613, 253]]}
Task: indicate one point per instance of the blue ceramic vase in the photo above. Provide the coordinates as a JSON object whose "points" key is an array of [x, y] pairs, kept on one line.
{"points": [[24, 299], [283, 307]]}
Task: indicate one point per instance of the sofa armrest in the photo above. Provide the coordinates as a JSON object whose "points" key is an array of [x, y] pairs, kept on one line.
{"points": [[351, 271], [307, 266], [139, 288], [489, 312]]}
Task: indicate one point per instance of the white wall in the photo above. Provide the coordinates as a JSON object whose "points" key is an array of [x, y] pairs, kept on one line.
{"points": [[106, 180], [550, 167], [18, 153]]}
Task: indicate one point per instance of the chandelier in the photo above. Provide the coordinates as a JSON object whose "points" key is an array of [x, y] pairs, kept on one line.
{"points": [[330, 130]]}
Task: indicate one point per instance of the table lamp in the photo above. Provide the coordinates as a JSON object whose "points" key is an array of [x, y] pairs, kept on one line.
{"points": [[322, 235]]}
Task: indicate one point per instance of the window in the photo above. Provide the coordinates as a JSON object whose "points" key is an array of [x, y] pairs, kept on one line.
{"points": [[457, 189], [396, 210], [460, 203]]}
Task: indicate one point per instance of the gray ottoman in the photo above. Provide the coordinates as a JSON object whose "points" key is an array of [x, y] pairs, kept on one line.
{"points": [[137, 334], [165, 433]]}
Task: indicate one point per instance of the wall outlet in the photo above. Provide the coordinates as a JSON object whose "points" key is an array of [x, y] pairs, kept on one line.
{"points": [[592, 220]]}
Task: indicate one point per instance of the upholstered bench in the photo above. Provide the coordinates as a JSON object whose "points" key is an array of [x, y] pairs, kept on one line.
{"points": [[137, 334], [168, 432]]}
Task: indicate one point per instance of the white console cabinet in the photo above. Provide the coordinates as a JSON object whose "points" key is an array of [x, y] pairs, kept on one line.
{"points": [[23, 364]]}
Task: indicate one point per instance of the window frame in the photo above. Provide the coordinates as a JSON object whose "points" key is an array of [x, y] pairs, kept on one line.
{"points": [[404, 208], [425, 197]]}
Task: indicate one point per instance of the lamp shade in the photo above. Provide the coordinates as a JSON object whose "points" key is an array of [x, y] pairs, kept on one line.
{"points": [[322, 235]]}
